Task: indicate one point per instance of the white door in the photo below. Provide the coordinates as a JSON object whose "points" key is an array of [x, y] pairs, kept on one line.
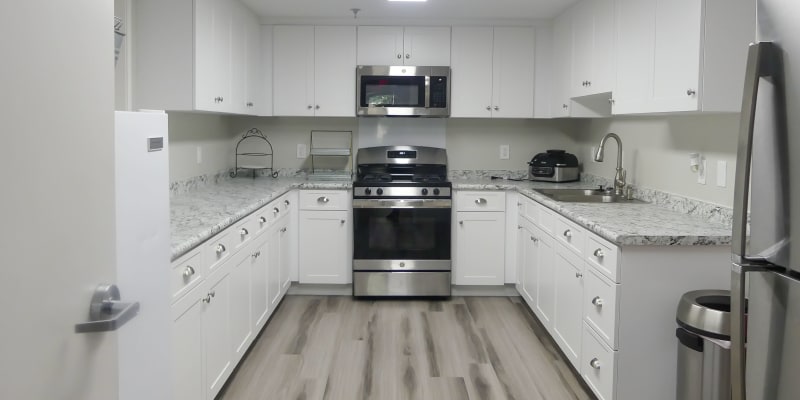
{"points": [[472, 72], [676, 66], [513, 68], [426, 45], [480, 244], [380, 45], [57, 166], [335, 71], [324, 235], [562, 62], [293, 70]]}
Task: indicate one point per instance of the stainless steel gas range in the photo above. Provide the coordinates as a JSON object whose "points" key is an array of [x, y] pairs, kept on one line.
{"points": [[401, 222]]}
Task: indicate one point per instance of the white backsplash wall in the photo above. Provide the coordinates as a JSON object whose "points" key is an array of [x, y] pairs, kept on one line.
{"points": [[211, 133], [656, 152], [474, 144]]}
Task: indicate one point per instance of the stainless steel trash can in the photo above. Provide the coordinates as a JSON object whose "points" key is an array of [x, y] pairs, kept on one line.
{"points": [[703, 334]]}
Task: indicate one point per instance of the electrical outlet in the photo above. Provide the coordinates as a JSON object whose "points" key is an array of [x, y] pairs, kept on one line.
{"points": [[199, 155], [722, 173], [302, 151], [701, 172], [505, 152]]}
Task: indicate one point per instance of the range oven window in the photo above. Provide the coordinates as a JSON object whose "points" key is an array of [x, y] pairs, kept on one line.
{"points": [[401, 233], [392, 91]]}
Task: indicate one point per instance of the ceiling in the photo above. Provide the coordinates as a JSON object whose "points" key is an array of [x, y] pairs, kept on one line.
{"points": [[431, 10]]}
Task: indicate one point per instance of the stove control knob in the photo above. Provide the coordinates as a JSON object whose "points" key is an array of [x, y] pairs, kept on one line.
{"points": [[436, 192], [367, 191], [424, 192], [379, 191]]}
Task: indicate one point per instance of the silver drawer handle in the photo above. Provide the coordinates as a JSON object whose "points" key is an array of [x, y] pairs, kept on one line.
{"points": [[595, 363], [263, 220], [283, 229], [275, 210], [220, 248], [597, 301], [256, 254], [188, 271], [286, 203], [578, 275], [323, 200], [691, 92], [480, 201], [568, 233], [342, 221], [244, 232], [599, 253], [461, 223]]}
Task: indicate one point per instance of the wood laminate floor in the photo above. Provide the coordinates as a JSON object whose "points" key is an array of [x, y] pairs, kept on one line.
{"points": [[463, 348]]}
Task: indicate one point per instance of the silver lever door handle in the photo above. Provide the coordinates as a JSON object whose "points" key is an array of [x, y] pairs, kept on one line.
{"points": [[106, 312]]}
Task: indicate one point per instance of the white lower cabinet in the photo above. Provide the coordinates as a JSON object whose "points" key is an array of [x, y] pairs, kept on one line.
{"points": [[325, 232], [543, 274], [568, 303], [479, 238], [231, 294], [598, 364]]}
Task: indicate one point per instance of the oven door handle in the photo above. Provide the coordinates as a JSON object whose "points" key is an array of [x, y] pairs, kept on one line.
{"points": [[402, 203]]}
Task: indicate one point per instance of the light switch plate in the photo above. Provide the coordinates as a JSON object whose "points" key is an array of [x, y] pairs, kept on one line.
{"points": [[302, 151], [701, 172], [505, 152], [722, 173]]}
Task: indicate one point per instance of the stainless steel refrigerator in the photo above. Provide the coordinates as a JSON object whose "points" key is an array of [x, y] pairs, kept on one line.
{"points": [[765, 354]]}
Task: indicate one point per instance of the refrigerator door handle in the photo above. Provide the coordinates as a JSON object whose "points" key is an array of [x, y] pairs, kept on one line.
{"points": [[763, 60]]}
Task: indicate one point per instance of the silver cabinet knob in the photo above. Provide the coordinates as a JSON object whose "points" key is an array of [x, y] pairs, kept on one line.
{"points": [[496, 108], [481, 201], [323, 200], [408, 56], [578, 275], [283, 230], [207, 299], [461, 223], [341, 221], [317, 107], [399, 56], [691, 92], [597, 301], [595, 363], [188, 271], [599, 253], [244, 232], [249, 104], [568, 233], [488, 108], [275, 210], [263, 220], [220, 248], [286, 203], [589, 83], [309, 106], [564, 106]]}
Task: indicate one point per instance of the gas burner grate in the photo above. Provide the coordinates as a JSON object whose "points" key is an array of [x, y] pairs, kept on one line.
{"points": [[426, 178], [377, 177]]}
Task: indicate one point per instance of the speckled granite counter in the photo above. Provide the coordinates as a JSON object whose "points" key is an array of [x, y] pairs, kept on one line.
{"points": [[198, 215], [623, 224]]}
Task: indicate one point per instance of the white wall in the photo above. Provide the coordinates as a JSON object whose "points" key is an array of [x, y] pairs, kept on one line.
{"points": [[190, 131], [657, 151]]}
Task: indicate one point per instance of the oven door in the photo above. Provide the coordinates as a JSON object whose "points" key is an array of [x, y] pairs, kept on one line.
{"points": [[401, 235]]}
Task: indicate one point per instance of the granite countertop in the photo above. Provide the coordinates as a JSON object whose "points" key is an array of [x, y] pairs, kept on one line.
{"points": [[624, 224], [199, 214]]}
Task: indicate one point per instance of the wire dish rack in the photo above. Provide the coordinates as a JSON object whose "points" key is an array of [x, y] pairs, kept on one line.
{"points": [[327, 144], [254, 153]]}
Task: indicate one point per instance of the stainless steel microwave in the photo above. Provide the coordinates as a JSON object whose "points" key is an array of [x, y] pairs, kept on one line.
{"points": [[402, 91]]}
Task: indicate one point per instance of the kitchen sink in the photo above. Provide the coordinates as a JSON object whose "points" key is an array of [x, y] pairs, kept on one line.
{"points": [[585, 196]]}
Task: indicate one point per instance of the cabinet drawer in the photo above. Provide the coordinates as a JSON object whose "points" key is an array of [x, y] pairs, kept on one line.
{"points": [[264, 217], [243, 231], [603, 256], [600, 305], [480, 201], [598, 365], [186, 273], [219, 248], [529, 209], [547, 220], [324, 199], [570, 235]]}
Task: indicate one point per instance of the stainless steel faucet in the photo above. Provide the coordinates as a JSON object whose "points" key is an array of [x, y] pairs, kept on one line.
{"points": [[619, 177]]}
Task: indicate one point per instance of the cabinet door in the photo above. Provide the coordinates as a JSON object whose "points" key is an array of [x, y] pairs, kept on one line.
{"points": [[380, 45], [285, 256], [582, 44], [635, 38], [542, 273], [480, 247], [274, 267], [335, 71], [187, 346], [525, 265], [676, 72], [213, 30], [513, 71], [217, 332], [324, 238], [240, 312], [259, 289], [293, 70], [471, 92], [254, 74], [239, 49], [425, 45], [604, 47], [562, 65], [569, 303]]}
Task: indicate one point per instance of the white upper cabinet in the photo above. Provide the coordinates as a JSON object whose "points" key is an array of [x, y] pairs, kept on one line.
{"points": [[397, 45], [681, 55], [191, 55], [562, 65], [314, 70], [493, 72], [593, 48]]}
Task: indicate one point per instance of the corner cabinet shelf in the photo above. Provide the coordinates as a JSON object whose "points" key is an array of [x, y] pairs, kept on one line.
{"points": [[327, 144], [256, 151]]}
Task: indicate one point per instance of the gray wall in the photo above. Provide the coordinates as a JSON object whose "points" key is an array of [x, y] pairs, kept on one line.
{"points": [[190, 131], [657, 151]]}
